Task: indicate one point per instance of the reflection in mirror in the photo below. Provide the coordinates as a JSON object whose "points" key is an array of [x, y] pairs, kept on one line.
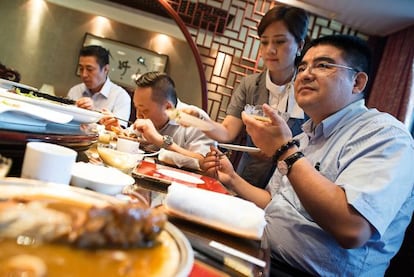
{"points": [[44, 42]]}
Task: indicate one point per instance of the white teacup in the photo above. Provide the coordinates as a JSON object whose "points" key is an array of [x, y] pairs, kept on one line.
{"points": [[48, 162], [128, 145]]}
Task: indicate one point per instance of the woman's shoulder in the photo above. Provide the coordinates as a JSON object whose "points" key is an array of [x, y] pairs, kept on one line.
{"points": [[253, 78]]}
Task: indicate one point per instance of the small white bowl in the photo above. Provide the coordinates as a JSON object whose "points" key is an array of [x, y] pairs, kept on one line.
{"points": [[128, 145], [107, 180], [123, 161]]}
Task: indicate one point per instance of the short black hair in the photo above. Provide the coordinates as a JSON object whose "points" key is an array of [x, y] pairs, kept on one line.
{"points": [[163, 86], [296, 21], [101, 54], [356, 51]]}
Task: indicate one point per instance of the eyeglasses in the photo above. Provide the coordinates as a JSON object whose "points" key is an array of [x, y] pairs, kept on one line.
{"points": [[323, 68]]}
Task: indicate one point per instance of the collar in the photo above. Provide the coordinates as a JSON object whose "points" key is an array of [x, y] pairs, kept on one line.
{"points": [[105, 90], [287, 96], [336, 121], [272, 87]]}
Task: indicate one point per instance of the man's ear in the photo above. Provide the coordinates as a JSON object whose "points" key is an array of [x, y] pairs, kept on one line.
{"points": [[169, 105], [106, 69], [301, 44], [360, 82]]}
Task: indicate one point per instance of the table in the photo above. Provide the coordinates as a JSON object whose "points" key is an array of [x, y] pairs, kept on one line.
{"points": [[13, 143], [200, 236]]}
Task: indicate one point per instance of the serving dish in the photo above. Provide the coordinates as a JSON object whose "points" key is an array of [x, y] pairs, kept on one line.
{"points": [[227, 213], [149, 174], [240, 148], [7, 84], [79, 115], [170, 256], [107, 180], [19, 107], [180, 176]]}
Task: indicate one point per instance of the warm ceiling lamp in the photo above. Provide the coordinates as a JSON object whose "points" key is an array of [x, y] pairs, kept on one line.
{"points": [[309, 7]]}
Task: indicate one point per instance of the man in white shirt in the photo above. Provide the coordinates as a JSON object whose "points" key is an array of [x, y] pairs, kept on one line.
{"points": [[154, 95], [97, 92]]}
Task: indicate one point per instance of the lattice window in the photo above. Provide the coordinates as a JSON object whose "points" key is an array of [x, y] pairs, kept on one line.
{"points": [[233, 52]]}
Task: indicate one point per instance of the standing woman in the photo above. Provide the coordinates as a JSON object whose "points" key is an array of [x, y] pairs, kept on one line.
{"points": [[282, 33]]}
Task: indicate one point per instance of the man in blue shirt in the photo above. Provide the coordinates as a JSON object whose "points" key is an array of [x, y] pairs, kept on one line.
{"points": [[342, 196]]}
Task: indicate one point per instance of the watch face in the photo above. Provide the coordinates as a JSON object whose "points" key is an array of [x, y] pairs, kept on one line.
{"points": [[282, 167], [167, 141]]}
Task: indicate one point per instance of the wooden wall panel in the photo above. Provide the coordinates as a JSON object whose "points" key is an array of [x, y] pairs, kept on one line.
{"points": [[231, 54]]}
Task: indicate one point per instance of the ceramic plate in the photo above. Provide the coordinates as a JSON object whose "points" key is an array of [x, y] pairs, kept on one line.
{"points": [[241, 148], [14, 106], [180, 176], [79, 115], [7, 84], [99, 178], [178, 261]]}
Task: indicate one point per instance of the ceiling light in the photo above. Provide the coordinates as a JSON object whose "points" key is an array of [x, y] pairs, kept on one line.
{"points": [[309, 7]]}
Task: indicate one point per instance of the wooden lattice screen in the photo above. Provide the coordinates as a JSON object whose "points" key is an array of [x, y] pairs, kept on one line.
{"points": [[230, 54]]}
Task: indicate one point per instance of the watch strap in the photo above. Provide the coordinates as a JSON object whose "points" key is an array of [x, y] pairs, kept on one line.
{"points": [[292, 159], [167, 141]]}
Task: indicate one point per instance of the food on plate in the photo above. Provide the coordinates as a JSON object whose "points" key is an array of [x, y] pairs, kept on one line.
{"points": [[43, 96], [123, 161], [262, 118], [49, 236], [44, 219], [127, 133], [186, 119]]}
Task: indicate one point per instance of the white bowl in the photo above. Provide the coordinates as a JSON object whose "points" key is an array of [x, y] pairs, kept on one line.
{"points": [[125, 162], [107, 180]]}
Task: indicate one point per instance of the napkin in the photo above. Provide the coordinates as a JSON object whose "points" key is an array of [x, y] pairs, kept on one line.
{"points": [[180, 160], [220, 211]]}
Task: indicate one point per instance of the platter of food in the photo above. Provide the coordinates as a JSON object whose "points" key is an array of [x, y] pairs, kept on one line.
{"points": [[160, 177], [7, 84], [79, 115], [12, 106], [89, 234]]}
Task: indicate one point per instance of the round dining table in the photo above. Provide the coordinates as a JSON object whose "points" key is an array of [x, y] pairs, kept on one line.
{"points": [[13, 143]]}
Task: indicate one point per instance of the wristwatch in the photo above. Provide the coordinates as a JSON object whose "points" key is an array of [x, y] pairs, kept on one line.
{"points": [[167, 141], [285, 165]]}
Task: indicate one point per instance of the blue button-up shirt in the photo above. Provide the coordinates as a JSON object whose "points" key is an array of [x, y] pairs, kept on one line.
{"points": [[370, 155]]}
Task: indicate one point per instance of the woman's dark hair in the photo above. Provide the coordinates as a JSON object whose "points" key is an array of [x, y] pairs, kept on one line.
{"points": [[296, 21], [101, 54], [163, 87]]}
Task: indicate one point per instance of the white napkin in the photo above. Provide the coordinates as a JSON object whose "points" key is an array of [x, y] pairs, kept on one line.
{"points": [[220, 211], [174, 158]]}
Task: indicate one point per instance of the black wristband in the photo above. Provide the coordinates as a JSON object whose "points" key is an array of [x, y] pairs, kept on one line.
{"points": [[279, 152]]}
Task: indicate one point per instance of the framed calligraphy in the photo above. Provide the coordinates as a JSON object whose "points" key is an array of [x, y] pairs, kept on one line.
{"points": [[127, 62]]}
